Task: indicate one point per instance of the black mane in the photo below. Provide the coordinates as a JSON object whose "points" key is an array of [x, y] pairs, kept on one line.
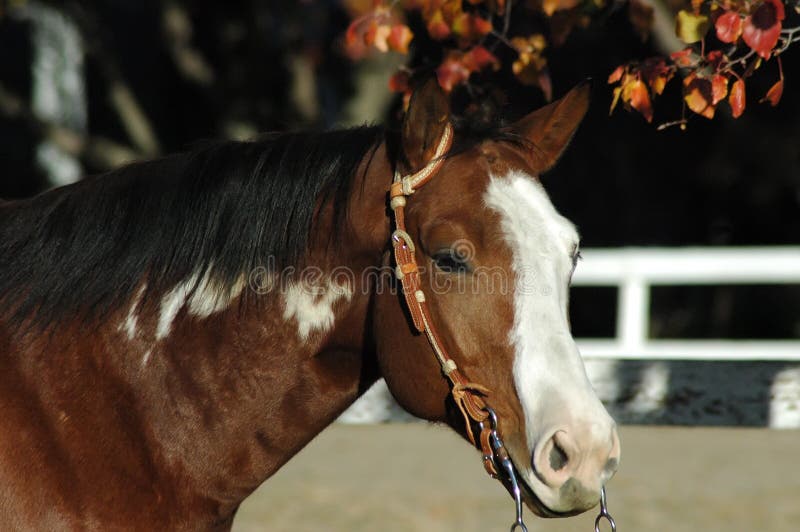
{"points": [[229, 206]]}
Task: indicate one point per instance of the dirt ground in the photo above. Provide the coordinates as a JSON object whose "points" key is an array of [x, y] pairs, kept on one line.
{"points": [[416, 477]]}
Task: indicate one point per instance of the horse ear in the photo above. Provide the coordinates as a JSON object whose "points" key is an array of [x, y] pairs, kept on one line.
{"points": [[424, 123], [551, 127]]}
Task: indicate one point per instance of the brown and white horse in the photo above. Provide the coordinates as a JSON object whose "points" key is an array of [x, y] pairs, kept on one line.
{"points": [[173, 332]]}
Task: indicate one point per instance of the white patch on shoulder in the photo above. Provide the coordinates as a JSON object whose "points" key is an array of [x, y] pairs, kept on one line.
{"points": [[203, 298], [209, 297], [171, 304], [131, 320], [311, 305]]}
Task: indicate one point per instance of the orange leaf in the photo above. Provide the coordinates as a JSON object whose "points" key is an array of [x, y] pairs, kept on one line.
{"points": [[698, 95], [683, 58], [763, 27], [616, 75], [728, 26], [719, 88], [437, 27], [736, 98], [635, 94], [656, 73], [399, 38], [481, 26], [774, 94], [479, 58]]}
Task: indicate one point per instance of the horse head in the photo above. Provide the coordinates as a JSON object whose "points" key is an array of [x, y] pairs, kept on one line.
{"points": [[494, 262]]}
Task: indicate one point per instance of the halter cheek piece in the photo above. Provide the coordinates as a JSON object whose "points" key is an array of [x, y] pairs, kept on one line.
{"points": [[468, 396]]}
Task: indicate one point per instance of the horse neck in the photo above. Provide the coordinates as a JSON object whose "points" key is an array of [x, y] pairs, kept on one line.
{"points": [[232, 396]]}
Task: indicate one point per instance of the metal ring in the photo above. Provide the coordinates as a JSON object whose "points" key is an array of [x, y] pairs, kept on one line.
{"points": [[399, 235], [604, 514], [606, 517]]}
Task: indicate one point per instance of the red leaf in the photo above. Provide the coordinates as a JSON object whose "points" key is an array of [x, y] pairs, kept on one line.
{"points": [[437, 27], [729, 27], [399, 38], [715, 58], [481, 26], [451, 72], [763, 27], [683, 58], [774, 94], [719, 88], [479, 58], [736, 98]]}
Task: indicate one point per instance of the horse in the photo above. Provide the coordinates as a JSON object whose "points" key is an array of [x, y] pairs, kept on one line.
{"points": [[172, 332]]}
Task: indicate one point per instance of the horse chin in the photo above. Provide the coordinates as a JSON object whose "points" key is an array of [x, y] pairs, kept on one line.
{"points": [[535, 504]]}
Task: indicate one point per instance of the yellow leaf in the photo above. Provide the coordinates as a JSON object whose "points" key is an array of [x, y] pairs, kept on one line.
{"points": [[690, 27], [617, 92]]}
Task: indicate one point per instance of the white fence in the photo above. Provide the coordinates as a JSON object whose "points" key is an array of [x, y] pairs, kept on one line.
{"points": [[717, 382], [635, 270]]}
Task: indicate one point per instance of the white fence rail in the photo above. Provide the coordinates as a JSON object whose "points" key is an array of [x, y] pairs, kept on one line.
{"points": [[696, 382], [636, 270]]}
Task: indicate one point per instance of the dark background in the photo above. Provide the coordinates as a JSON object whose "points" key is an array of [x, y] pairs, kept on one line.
{"points": [[724, 182]]}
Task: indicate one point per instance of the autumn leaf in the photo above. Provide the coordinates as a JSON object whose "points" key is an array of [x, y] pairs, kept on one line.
{"points": [[615, 99], [616, 75], [399, 38], [452, 72], [438, 29], [715, 58], [656, 73], [719, 88], [728, 26], [690, 27], [736, 98], [774, 94], [763, 27], [458, 66], [698, 95], [551, 6], [635, 94], [479, 58], [377, 35], [684, 58], [531, 66]]}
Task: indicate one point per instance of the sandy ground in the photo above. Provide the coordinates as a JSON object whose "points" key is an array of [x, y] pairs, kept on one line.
{"points": [[416, 477]]}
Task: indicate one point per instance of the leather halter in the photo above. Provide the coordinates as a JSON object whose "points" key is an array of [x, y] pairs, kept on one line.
{"points": [[467, 395]]}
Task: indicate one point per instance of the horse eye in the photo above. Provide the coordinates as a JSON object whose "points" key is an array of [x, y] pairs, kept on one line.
{"points": [[450, 261]]}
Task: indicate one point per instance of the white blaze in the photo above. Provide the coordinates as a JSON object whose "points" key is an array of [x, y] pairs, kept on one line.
{"points": [[548, 371]]}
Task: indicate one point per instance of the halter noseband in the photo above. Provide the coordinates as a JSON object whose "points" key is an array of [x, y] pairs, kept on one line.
{"points": [[468, 396]]}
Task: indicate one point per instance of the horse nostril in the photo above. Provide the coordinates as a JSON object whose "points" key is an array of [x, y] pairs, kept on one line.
{"points": [[558, 457]]}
